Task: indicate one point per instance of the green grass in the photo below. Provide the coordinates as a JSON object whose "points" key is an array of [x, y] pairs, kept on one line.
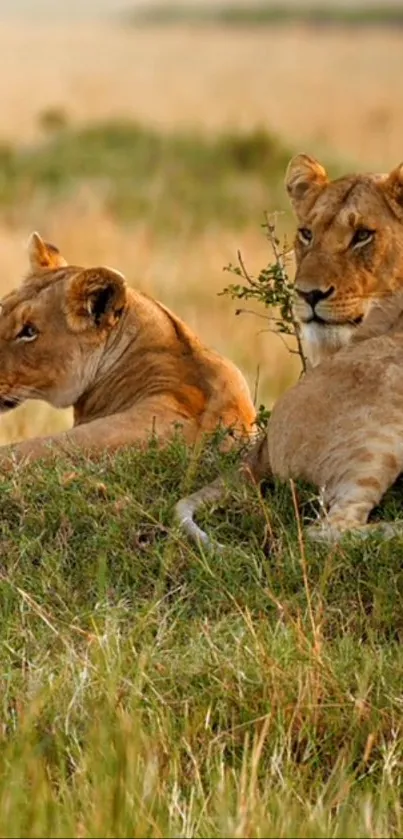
{"points": [[171, 179], [268, 14], [150, 690]]}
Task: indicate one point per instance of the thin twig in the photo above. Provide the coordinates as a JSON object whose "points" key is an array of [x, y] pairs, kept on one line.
{"points": [[271, 235], [282, 338], [299, 343], [256, 314], [244, 270], [256, 388], [279, 257]]}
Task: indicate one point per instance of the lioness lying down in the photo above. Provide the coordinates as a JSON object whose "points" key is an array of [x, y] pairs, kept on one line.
{"points": [[129, 367], [339, 428]]}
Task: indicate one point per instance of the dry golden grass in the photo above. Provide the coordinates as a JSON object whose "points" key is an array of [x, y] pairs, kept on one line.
{"points": [[337, 92], [338, 89]]}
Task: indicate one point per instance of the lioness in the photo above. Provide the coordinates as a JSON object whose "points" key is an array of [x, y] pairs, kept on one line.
{"points": [[129, 367], [340, 428], [348, 248]]}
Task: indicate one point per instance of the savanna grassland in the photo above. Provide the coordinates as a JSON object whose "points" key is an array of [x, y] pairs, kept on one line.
{"points": [[149, 689], [171, 221]]}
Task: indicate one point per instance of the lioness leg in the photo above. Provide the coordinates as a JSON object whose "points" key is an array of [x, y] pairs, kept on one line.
{"points": [[353, 498], [134, 427], [329, 534]]}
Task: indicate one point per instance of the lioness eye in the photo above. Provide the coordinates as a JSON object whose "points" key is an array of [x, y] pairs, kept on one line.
{"points": [[362, 236], [27, 333], [305, 235]]}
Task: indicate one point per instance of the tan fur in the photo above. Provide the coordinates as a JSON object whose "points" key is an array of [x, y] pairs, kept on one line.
{"points": [[340, 428], [350, 274], [80, 337]]}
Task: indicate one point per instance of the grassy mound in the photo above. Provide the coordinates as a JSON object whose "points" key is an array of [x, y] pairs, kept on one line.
{"points": [[151, 690]]}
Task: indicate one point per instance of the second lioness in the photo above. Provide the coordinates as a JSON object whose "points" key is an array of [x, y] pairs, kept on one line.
{"points": [[80, 337], [339, 428]]}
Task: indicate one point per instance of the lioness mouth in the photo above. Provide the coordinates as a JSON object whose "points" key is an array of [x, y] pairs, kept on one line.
{"points": [[317, 319], [7, 404]]}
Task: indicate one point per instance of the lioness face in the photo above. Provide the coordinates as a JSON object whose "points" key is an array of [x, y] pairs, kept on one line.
{"points": [[54, 328], [348, 248]]}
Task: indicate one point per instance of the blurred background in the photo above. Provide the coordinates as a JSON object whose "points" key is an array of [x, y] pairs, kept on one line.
{"points": [[153, 137]]}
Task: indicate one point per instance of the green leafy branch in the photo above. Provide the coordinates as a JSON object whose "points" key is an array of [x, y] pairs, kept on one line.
{"points": [[272, 287]]}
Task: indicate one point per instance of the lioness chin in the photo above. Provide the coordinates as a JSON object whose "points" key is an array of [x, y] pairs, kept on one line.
{"points": [[128, 366]]}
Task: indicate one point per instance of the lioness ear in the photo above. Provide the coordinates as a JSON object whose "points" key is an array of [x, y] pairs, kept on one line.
{"points": [[96, 296], [304, 178], [393, 185], [42, 255]]}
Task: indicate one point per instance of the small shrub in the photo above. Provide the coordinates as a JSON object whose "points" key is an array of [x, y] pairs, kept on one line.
{"points": [[272, 288]]}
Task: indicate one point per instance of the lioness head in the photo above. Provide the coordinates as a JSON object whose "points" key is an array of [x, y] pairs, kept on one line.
{"points": [[348, 247], [54, 328]]}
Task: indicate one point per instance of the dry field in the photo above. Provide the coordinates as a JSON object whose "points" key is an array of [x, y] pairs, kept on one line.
{"points": [[333, 93]]}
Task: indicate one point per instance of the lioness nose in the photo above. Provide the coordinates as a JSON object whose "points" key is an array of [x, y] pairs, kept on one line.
{"points": [[315, 295]]}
